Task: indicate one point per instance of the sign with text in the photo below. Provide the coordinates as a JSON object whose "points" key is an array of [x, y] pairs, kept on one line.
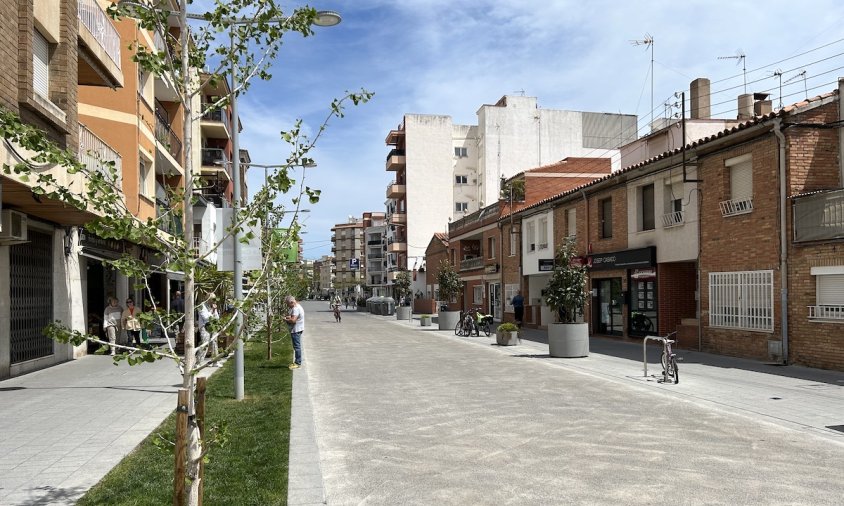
{"points": [[354, 264], [629, 259], [546, 264]]}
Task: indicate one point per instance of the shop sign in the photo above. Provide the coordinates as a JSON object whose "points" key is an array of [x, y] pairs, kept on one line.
{"points": [[643, 274], [628, 259], [491, 269], [546, 264]]}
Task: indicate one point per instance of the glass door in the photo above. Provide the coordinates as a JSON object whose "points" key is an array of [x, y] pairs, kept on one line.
{"points": [[495, 300], [643, 303], [607, 311]]}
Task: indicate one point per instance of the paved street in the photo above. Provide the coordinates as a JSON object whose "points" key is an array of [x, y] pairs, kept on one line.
{"points": [[406, 415]]}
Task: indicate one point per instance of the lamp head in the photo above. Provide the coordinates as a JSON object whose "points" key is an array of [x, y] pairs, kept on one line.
{"points": [[327, 18]]}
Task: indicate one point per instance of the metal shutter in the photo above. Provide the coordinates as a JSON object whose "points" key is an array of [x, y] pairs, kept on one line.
{"points": [[830, 290], [741, 181], [40, 65]]}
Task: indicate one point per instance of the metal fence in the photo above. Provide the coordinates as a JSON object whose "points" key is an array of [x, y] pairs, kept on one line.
{"points": [[93, 151], [94, 18], [819, 217]]}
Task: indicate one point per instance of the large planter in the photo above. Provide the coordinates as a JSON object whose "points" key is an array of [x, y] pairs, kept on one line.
{"points": [[403, 312], [448, 319], [568, 340], [507, 338]]}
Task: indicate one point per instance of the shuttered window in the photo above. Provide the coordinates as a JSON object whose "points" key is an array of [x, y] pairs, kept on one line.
{"points": [[571, 222], [40, 65], [741, 181], [830, 290], [648, 222]]}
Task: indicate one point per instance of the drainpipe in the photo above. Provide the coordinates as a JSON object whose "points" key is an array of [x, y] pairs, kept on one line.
{"points": [[586, 222], [783, 241]]}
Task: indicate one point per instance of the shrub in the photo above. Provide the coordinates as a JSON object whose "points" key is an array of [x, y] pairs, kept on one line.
{"points": [[508, 327], [566, 291]]}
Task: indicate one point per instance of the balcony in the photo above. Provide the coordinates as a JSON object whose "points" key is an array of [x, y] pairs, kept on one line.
{"points": [[819, 217], [396, 159], [215, 162], [168, 143], [215, 123], [398, 219], [672, 219], [471, 264], [737, 206], [93, 152], [99, 47], [830, 313], [397, 247], [395, 191]]}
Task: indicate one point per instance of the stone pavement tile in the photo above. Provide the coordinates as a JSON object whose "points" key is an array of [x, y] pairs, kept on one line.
{"points": [[302, 496]]}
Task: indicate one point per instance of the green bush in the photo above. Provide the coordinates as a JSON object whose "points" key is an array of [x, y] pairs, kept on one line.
{"points": [[508, 327]]}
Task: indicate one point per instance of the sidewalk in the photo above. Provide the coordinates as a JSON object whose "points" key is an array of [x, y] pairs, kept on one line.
{"points": [[63, 428]]}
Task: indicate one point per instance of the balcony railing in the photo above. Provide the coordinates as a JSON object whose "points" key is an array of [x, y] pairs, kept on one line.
{"points": [[93, 151], [395, 152], [672, 219], [471, 263], [165, 135], [737, 206], [826, 313], [218, 115], [94, 18], [215, 157], [200, 245], [819, 217]]}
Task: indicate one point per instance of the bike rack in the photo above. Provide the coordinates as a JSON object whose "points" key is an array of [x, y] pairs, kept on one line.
{"points": [[645, 350]]}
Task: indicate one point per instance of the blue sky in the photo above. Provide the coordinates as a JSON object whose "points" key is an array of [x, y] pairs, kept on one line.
{"points": [[447, 57]]}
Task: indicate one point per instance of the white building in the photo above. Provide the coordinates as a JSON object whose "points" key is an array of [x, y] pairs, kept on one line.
{"points": [[445, 171]]}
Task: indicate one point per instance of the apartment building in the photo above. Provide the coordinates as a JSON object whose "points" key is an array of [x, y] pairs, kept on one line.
{"points": [[348, 248], [51, 48], [376, 257], [445, 171], [324, 268]]}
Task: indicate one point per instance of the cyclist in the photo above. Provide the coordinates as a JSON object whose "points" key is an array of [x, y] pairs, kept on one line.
{"points": [[335, 305]]}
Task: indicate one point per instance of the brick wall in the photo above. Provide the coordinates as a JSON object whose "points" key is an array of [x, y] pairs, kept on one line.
{"points": [[675, 294], [813, 152], [618, 241]]}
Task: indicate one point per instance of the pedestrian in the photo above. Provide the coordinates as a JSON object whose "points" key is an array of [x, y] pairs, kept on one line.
{"points": [[519, 308], [177, 311], [111, 321], [208, 313], [131, 323], [296, 323]]}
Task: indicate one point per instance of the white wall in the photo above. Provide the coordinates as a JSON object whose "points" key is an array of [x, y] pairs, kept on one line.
{"points": [[530, 262]]}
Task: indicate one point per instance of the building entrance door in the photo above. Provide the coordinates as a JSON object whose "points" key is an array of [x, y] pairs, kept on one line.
{"points": [[607, 310], [643, 303], [495, 301]]}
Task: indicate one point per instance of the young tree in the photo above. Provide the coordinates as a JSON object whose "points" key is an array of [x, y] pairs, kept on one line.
{"points": [[252, 33], [449, 281], [566, 291], [401, 286]]}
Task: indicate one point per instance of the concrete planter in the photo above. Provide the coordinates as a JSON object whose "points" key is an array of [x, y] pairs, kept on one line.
{"points": [[403, 312], [568, 340], [507, 338], [448, 319], [425, 321]]}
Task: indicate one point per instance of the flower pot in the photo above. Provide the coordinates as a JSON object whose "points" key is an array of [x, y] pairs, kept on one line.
{"points": [[568, 340], [507, 338], [448, 319], [425, 321], [403, 312]]}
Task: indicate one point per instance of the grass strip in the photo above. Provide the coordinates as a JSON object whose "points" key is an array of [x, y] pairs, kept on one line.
{"points": [[251, 469]]}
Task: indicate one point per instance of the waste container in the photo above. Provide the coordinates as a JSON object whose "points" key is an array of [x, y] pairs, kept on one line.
{"points": [[370, 304], [389, 306], [376, 305]]}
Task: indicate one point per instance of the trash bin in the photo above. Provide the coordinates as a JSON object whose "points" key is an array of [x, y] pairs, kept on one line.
{"points": [[389, 306], [370, 304], [376, 305]]}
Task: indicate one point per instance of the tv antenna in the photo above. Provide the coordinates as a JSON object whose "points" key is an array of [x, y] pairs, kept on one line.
{"points": [[648, 41], [802, 74], [742, 59], [778, 74], [521, 92]]}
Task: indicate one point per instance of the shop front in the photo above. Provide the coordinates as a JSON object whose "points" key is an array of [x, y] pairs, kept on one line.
{"points": [[624, 278]]}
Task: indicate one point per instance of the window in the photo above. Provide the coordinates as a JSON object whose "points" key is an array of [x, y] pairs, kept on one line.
{"points": [[145, 181], [571, 222], [478, 294], [40, 65], [461, 152], [647, 207], [531, 236], [490, 246], [461, 207], [460, 180], [510, 291], [606, 218], [829, 294], [513, 241], [741, 186], [543, 233], [742, 300]]}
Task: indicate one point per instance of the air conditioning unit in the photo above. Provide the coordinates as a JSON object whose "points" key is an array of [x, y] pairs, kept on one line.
{"points": [[12, 226]]}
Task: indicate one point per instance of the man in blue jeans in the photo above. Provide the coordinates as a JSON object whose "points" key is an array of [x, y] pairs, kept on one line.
{"points": [[296, 322]]}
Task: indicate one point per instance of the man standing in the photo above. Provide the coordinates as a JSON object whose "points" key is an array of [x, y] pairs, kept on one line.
{"points": [[208, 312], [177, 309], [519, 307], [296, 323]]}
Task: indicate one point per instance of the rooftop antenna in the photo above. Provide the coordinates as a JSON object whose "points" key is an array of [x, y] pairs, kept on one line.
{"points": [[648, 41], [778, 74], [802, 74], [742, 59], [520, 92]]}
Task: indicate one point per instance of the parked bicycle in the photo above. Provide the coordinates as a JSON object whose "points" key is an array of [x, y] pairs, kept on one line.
{"points": [[669, 360], [466, 325], [484, 322]]}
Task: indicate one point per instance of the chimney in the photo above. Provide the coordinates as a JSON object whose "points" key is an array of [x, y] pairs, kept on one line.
{"points": [[762, 107], [700, 98], [745, 106]]}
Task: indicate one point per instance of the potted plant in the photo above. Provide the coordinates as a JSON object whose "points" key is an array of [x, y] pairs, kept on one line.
{"points": [[450, 286], [401, 291], [507, 334], [566, 296], [425, 320]]}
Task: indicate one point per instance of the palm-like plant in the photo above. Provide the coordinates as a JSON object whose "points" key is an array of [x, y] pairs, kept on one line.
{"points": [[566, 291]]}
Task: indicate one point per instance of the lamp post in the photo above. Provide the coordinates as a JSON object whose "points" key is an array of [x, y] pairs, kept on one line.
{"points": [[324, 18]]}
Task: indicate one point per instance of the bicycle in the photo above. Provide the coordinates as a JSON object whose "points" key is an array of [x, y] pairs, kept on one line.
{"points": [[484, 322], [669, 360], [639, 322], [337, 313], [466, 325]]}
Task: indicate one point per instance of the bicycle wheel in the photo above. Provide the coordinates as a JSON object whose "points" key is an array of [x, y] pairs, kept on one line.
{"points": [[458, 329], [663, 360], [487, 330], [674, 370]]}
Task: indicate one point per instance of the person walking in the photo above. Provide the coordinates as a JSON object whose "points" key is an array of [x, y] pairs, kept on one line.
{"points": [[111, 321], [208, 312], [335, 306], [519, 308], [131, 323], [296, 323]]}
